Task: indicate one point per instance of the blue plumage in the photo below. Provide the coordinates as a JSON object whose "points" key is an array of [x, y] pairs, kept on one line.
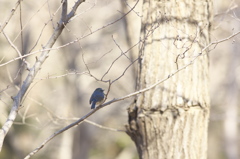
{"points": [[97, 97]]}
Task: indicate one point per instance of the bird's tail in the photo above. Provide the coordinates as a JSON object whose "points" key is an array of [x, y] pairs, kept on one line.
{"points": [[93, 104]]}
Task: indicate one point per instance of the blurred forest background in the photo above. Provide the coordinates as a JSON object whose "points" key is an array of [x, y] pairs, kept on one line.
{"points": [[61, 90]]}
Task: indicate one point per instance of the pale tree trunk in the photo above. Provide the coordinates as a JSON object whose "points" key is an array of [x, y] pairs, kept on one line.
{"points": [[170, 121]]}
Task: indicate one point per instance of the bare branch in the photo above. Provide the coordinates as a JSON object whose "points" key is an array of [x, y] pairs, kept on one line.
{"points": [[122, 53], [79, 121], [77, 15], [26, 24], [32, 73], [10, 16], [64, 10], [115, 42], [21, 27], [95, 124], [103, 127], [4, 89], [63, 75], [38, 38], [125, 70], [13, 46]]}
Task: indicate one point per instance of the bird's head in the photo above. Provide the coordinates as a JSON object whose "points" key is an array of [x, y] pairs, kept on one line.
{"points": [[99, 89]]}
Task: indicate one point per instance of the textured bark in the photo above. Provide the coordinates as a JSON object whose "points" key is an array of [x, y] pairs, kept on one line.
{"points": [[170, 121]]}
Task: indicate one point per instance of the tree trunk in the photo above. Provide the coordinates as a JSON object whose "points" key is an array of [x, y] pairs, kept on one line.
{"points": [[170, 121]]}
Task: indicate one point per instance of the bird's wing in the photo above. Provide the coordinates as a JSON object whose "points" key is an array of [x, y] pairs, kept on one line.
{"points": [[90, 101]]}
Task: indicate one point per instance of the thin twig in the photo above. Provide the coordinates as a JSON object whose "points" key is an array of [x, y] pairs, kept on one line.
{"points": [[103, 127], [125, 70], [122, 52], [10, 16], [40, 35], [26, 24], [13, 46]]}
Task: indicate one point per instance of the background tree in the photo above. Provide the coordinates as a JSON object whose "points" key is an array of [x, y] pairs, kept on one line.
{"points": [[99, 48]]}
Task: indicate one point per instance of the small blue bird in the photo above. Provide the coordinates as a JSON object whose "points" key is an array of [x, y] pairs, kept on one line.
{"points": [[97, 97]]}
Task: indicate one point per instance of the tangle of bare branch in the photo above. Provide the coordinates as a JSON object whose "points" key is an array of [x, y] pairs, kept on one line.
{"points": [[36, 67], [82, 119], [74, 41]]}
